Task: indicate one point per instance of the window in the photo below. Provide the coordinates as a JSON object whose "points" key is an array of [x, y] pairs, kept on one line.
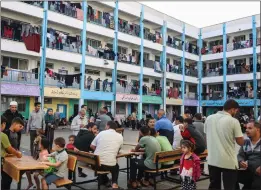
{"points": [[168, 60], [94, 43], [215, 43], [110, 46], [175, 62], [108, 74], [47, 65], [157, 58], [240, 84], [240, 38], [167, 83], [146, 56], [147, 80], [77, 69], [240, 61], [122, 50], [214, 65], [48, 100], [5, 103], [218, 87], [15, 63], [176, 85], [192, 88], [120, 108], [122, 77], [251, 36], [92, 72]]}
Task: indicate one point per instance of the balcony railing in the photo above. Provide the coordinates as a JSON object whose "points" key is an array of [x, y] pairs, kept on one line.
{"points": [[191, 72], [213, 72], [98, 85], [49, 81], [18, 76]]}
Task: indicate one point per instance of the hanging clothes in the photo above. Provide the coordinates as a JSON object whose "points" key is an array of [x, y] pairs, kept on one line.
{"points": [[69, 80]]}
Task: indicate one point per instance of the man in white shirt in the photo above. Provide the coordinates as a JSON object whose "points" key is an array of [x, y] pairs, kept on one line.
{"points": [[80, 121], [177, 136], [107, 145], [222, 130]]}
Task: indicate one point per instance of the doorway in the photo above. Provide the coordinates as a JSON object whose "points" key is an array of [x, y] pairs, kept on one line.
{"points": [[62, 109]]}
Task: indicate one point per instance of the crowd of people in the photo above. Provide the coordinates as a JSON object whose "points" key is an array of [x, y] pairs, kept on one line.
{"points": [[218, 134]]}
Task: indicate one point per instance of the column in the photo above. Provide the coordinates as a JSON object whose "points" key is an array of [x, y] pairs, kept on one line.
{"points": [[200, 70], [83, 36], [164, 63], [224, 63], [254, 66], [115, 49], [43, 57], [183, 70], [141, 62]]}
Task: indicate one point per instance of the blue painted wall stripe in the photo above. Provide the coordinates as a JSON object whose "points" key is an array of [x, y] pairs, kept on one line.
{"points": [[200, 69], [254, 65], [224, 62], [84, 36], [164, 64], [43, 58], [183, 65], [141, 61]]}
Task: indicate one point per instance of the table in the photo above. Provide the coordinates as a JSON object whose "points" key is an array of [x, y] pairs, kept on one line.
{"points": [[127, 155], [16, 167]]}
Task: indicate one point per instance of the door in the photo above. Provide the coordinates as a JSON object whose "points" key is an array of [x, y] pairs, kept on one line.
{"points": [[63, 110]]}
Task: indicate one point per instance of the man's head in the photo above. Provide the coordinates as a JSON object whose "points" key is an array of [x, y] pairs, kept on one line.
{"points": [[179, 120], [161, 113], [102, 111], [37, 106], [13, 106], [3, 123], [187, 113], [82, 112], [84, 107], [17, 124], [59, 144], [187, 122], [153, 132], [253, 129], [198, 116], [92, 128], [105, 109], [231, 106], [144, 131], [111, 125]]}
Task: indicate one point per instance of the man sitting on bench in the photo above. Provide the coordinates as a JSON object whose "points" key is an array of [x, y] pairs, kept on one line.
{"points": [[107, 145], [249, 158]]}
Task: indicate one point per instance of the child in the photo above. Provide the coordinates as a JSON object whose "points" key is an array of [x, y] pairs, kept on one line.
{"points": [[44, 145], [37, 144], [61, 158], [189, 166], [70, 145], [16, 126], [6, 149]]}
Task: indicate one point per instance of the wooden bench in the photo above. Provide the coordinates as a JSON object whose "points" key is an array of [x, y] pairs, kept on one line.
{"points": [[162, 157], [71, 165], [88, 161], [168, 156]]}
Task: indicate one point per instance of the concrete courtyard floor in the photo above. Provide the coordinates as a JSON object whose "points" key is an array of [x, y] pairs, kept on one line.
{"points": [[130, 137]]}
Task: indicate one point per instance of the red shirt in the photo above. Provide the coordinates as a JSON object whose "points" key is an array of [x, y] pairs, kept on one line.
{"points": [[70, 146]]}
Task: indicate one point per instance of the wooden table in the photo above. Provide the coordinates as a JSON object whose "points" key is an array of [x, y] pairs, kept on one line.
{"points": [[127, 155], [16, 167]]}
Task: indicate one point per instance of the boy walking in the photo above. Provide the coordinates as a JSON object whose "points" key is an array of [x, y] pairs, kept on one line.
{"points": [[61, 158]]}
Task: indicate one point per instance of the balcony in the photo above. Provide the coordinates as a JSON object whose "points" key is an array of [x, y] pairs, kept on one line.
{"points": [[20, 77], [191, 96], [97, 85], [61, 83], [213, 72]]}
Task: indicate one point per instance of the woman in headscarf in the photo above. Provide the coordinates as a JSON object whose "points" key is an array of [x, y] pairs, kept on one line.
{"points": [[49, 131]]}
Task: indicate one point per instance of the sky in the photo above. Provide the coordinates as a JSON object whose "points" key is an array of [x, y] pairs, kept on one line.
{"points": [[201, 14]]}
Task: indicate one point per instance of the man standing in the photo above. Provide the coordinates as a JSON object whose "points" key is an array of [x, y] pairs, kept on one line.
{"points": [[178, 123], [198, 123], [79, 122], [222, 130], [10, 114], [57, 117], [36, 121], [164, 126], [102, 120], [249, 158]]}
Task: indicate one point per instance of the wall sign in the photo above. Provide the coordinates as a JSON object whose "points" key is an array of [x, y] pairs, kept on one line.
{"points": [[220, 103], [20, 89], [127, 98], [151, 99], [188, 102], [61, 93], [173, 101]]}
